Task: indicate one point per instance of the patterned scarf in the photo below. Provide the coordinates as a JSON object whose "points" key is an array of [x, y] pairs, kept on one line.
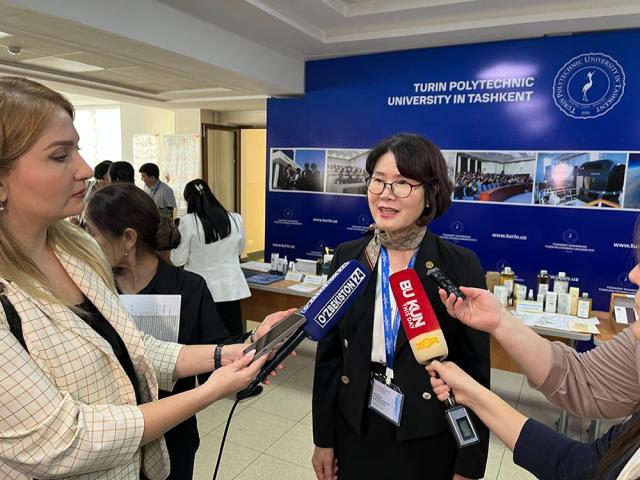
{"points": [[407, 240]]}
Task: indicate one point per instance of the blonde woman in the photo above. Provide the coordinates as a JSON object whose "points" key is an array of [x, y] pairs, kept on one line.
{"points": [[78, 382]]}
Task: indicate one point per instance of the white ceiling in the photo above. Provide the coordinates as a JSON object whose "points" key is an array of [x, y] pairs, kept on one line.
{"points": [[232, 54]]}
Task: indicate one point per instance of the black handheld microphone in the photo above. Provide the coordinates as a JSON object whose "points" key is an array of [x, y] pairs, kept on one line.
{"points": [[427, 343], [321, 313]]}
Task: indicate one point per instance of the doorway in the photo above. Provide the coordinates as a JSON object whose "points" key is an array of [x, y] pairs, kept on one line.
{"points": [[220, 163], [234, 165]]}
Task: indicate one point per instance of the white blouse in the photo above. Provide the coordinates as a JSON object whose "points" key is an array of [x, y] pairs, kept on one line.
{"points": [[631, 470], [217, 262]]}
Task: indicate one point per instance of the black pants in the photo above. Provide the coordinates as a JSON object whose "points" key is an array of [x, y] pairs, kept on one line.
{"points": [[182, 444], [231, 316], [376, 455]]}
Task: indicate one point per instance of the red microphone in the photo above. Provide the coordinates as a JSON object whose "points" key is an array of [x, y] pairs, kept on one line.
{"points": [[428, 343], [418, 317]]}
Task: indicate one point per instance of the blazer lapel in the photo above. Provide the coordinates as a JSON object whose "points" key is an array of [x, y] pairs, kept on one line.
{"points": [[362, 326]]}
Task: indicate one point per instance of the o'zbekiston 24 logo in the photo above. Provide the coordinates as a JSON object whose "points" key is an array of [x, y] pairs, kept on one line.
{"points": [[588, 86]]}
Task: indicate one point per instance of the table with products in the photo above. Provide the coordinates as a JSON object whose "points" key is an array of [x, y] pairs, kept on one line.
{"points": [[273, 297], [266, 299]]}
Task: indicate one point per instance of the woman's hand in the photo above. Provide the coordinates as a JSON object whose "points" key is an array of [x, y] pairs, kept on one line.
{"points": [[270, 320], [448, 376], [325, 463], [232, 352], [234, 377], [480, 310]]}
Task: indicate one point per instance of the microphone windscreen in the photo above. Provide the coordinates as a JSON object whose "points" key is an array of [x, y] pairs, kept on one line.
{"points": [[330, 302], [418, 317]]}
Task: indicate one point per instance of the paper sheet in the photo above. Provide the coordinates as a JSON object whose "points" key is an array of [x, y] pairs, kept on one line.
{"points": [[257, 266], [579, 326], [558, 321], [155, 315], [303, 288]]}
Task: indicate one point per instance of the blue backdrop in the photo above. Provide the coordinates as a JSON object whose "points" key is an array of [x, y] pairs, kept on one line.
{"points": [[538, 108]]}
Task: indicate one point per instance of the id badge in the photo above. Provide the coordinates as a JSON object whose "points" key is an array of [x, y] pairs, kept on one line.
{"points": [[386, 400]]}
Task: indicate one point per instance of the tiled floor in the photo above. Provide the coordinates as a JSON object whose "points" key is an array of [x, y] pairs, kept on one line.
{"points": [[270, 435]]}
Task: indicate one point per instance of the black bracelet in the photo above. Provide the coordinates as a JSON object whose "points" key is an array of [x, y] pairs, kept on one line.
{"points": [[217, 356]]}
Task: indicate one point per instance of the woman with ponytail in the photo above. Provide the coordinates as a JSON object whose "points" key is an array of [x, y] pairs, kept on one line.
{"points": [[212, 240]]}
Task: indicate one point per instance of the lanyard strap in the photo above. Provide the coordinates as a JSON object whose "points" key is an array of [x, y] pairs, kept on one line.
{"points": [[390, 329]]}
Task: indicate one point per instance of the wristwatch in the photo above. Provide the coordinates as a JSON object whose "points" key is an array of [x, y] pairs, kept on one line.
{"points": [[217, 356]]}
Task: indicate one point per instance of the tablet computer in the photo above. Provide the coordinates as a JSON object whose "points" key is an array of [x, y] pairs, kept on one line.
{"points": [[274, 338]]}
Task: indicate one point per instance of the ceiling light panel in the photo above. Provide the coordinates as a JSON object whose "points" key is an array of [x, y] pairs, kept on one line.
{"points": [[62, 64]]}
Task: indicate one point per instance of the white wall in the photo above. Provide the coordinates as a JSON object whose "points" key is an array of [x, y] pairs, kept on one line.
{"points": [[510, 168], [517, 168], [187, 121], [256, 118], [138, 119], [491, 167]]}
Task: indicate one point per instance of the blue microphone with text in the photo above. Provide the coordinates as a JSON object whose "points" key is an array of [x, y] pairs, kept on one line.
{"points": [[321, 314]]}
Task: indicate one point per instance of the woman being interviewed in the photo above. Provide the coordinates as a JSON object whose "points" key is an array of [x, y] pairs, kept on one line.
{"points": [[79, 392], [408, 187]]}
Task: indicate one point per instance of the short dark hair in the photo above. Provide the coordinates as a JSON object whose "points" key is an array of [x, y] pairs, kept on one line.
{"points": [[119, 206], [121, 172], [150, 169], [421, 160], [101, 169]]}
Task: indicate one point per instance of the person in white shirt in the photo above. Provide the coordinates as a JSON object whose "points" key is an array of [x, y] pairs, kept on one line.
{"points": [[212, 240]]}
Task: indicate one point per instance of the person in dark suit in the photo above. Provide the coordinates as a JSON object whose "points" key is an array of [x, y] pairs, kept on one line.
{"points": [[408, 187], [127, 225]]}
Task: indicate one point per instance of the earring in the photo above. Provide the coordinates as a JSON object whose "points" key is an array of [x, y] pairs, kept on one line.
{"points": [[2, 202], [427, 205]]}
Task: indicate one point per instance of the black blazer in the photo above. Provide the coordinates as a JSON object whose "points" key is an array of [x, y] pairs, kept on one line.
{"points": [[343, 357], [200, 323]]}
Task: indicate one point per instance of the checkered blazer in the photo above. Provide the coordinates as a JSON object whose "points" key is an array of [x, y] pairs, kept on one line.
{"points": [[68, 409]]}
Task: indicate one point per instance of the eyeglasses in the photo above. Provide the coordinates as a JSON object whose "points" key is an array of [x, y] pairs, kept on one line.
{"points": [[400, 188]]}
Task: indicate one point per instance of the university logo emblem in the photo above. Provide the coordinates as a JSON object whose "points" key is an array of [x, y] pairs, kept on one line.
{"points": [[588, 86], [570, 235], [457, 227]]}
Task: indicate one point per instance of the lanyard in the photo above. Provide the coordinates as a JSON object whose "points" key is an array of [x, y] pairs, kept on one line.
{"points": [[154, 189], [390, 330]]}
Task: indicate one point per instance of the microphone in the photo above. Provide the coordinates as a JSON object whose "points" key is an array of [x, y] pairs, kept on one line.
{"points": [[418, 317], [427, 342], [321, 313]]}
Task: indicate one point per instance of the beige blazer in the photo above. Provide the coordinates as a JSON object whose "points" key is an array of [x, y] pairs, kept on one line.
{"points": [[68, 409]]}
